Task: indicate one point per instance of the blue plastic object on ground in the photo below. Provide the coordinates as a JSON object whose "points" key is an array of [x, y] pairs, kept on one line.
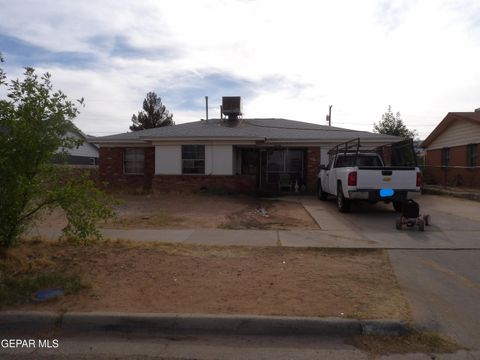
{"points": [[47, 294]]}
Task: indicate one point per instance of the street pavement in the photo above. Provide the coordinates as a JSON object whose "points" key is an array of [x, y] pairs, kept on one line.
{"points": [[210, 347], [443, 287]]}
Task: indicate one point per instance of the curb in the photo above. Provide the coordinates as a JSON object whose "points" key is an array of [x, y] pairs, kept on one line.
{"points": [[198, 323]]}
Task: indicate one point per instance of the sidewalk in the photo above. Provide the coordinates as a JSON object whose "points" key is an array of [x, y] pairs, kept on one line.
{"points": [[334, 238], [373, 230], [465, 193]]}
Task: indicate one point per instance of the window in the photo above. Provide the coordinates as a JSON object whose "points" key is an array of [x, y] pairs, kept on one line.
{"points": [[445, 156], [133, 161], [193, 159], [472, 155], [358, 160], [344, 161], [368, 161]]}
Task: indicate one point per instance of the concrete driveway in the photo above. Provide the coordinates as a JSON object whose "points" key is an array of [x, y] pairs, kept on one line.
{"points": [[455, 225], [439, 268]]}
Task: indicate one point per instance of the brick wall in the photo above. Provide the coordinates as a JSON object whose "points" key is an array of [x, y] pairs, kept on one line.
{"points": [[313, 167], [111, 175], [229, 183], [110, 169], [457, 174]]}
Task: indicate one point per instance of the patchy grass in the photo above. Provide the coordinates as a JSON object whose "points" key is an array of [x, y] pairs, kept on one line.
{"points": [[30, 267], [417, 342], [18, 289]]}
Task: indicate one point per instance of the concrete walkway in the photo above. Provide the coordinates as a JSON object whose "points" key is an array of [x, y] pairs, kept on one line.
{"points": [[294, 238]]}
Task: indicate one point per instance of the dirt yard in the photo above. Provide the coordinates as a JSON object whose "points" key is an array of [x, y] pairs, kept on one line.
{"points": [[231, 280], [196, 211]]}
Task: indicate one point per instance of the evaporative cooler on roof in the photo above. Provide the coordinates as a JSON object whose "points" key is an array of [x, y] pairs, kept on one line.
{"points": [[232, 107]]}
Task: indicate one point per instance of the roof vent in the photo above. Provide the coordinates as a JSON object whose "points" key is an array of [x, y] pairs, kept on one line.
{"points": [[232, 107], [477, 110]]}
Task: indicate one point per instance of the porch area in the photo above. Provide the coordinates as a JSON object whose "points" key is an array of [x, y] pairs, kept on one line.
{"points": [[276, 169]]}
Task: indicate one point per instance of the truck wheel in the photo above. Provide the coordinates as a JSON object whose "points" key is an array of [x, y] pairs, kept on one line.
{"points": [[322, 195], [343, 204], [398, 205]]}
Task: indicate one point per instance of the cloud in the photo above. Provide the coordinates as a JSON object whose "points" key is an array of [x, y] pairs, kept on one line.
{"points": [[286, 59], [21, 53], [391, 13]]}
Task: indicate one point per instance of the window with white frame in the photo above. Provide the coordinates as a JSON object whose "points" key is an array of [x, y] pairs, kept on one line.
{"points": [[193, 159], [133, 161]]}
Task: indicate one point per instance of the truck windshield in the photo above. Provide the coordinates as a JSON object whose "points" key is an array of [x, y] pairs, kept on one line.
{"points": [[358, 160]]}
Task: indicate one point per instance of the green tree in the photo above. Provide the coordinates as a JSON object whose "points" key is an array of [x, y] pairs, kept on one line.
{"points": [[34, 123], [393, 125], [153, 115]]}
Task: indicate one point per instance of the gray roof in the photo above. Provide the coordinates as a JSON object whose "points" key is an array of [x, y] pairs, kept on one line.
{"points": [[246, 129]]}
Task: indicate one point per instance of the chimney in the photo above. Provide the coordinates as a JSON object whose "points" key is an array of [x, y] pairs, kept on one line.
{"points": [[232, 107]]}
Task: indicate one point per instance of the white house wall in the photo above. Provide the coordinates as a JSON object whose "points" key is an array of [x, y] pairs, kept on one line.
{"points": [[219, 160], [168, 160], [457, 134]]}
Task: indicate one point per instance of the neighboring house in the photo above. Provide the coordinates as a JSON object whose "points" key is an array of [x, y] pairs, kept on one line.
{"points": [[452, 151], [85, 154], [234, 154]]}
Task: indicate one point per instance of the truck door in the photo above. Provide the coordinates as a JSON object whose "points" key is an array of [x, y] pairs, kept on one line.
{"points": [[331, 176], [325, 174]]}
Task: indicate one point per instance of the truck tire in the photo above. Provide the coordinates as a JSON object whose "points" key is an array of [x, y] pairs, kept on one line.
{"points": [[398, 205], [322, 195], [343, 204]]}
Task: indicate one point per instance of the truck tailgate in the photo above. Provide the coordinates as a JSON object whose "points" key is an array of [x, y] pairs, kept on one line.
{"points": [[400, 178]]}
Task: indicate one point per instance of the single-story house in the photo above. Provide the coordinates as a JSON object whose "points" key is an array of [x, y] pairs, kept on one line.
{"points": [[234, 154], [84, 154], [452, 149]]}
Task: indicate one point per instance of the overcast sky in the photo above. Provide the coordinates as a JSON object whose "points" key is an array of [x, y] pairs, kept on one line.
{"points": [[288, 59]]}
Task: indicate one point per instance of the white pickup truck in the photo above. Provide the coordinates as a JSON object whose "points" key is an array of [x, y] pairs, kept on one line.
{"points": [[363, 176]]}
